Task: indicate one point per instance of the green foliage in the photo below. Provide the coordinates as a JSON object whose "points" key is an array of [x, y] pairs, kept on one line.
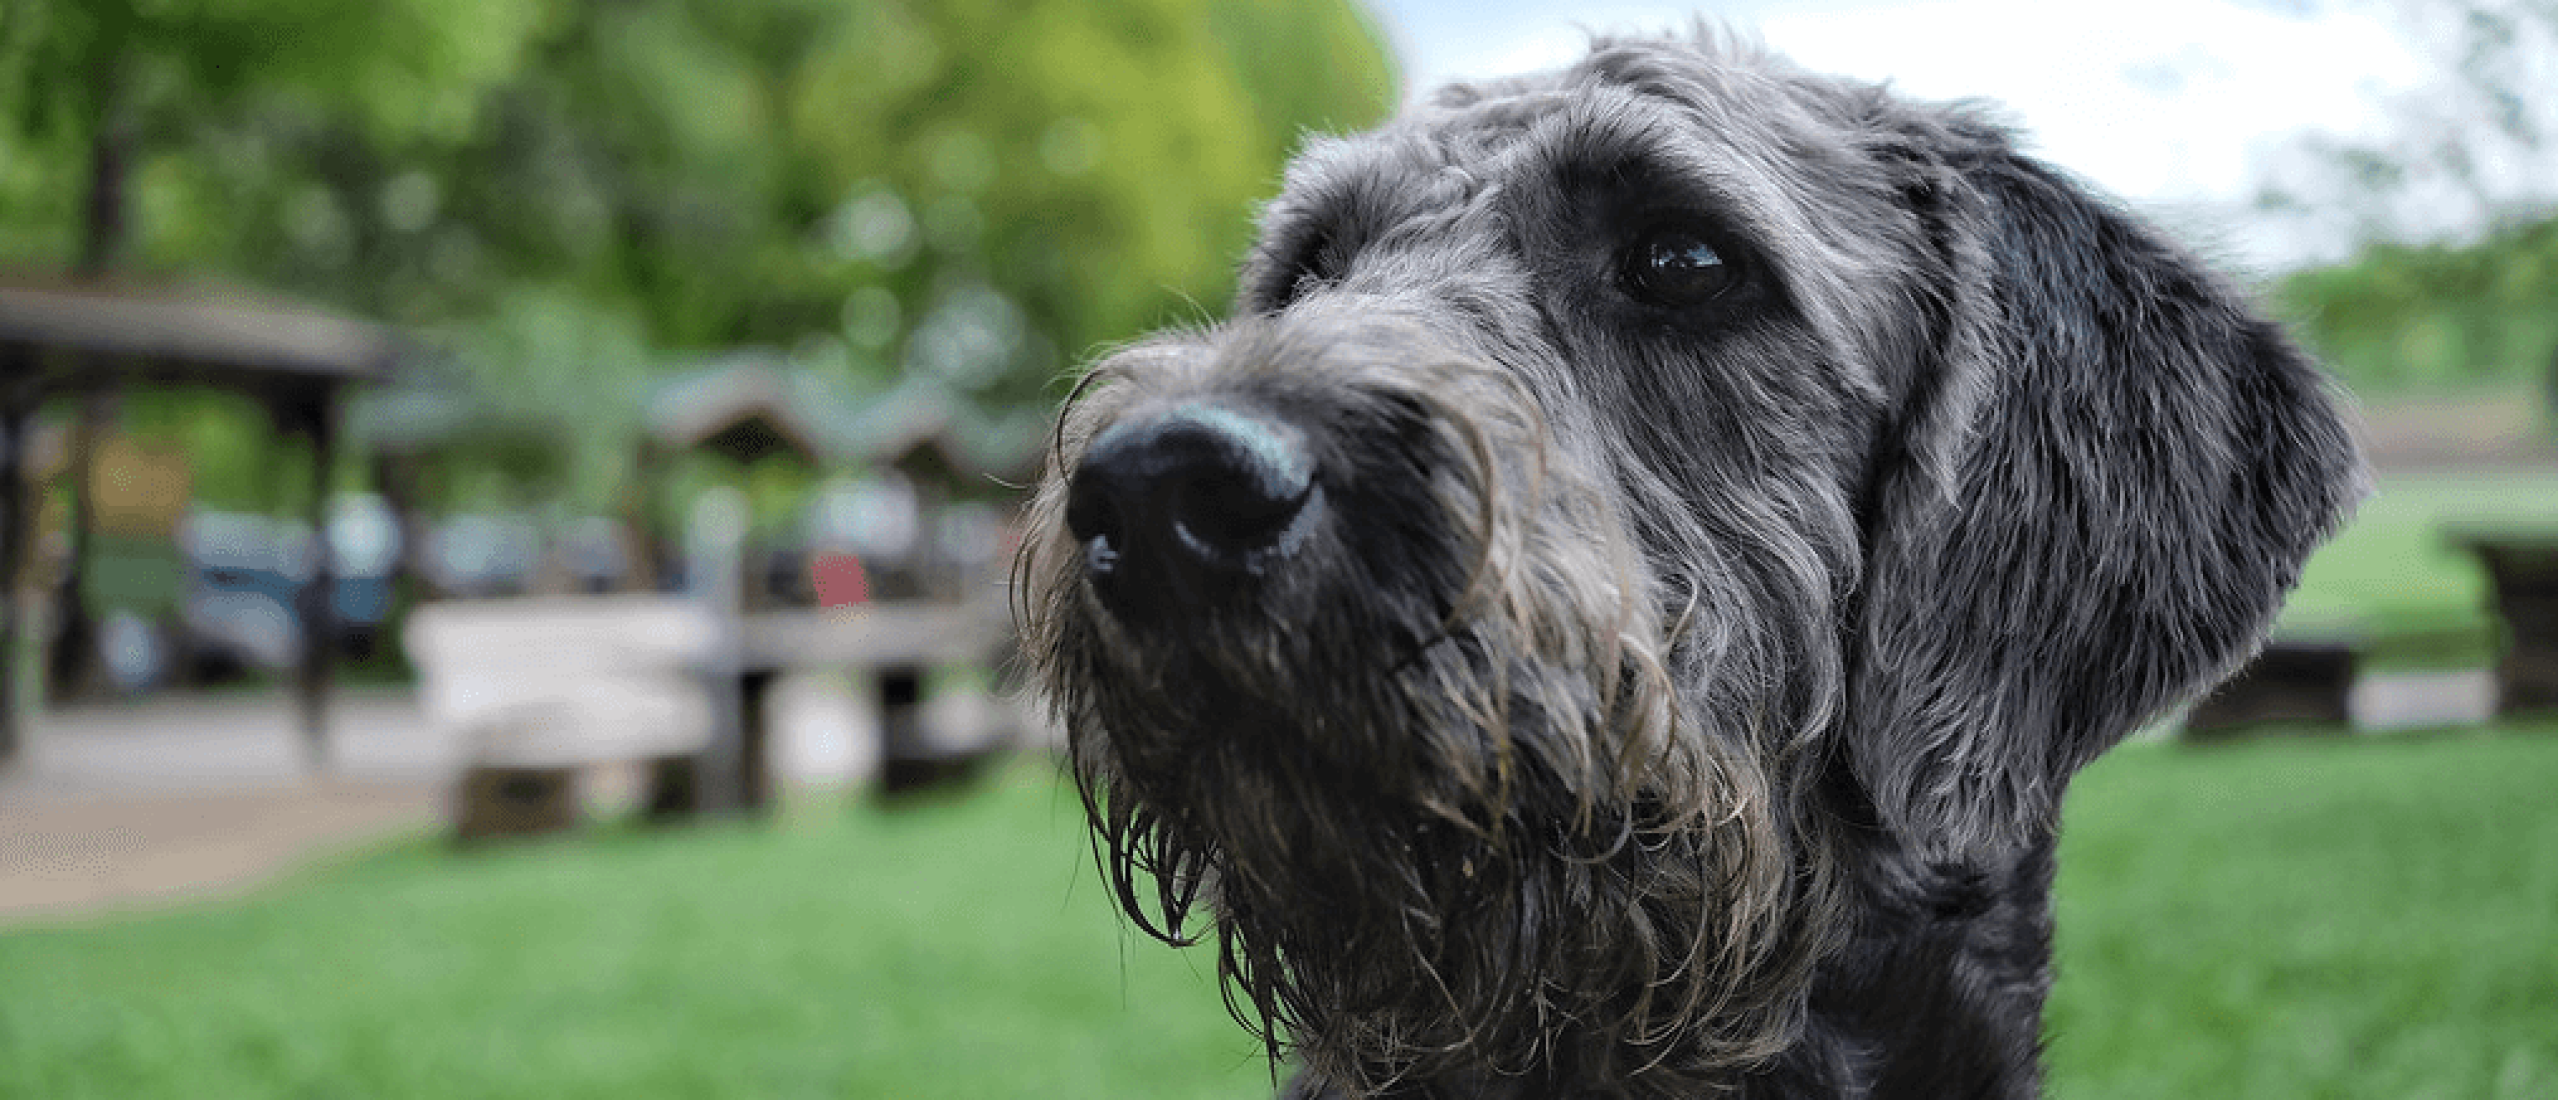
{"points": [[1091, 166], [607, 363], [1309, 67], [400, 67], [176, 85], [236, 466], [2401, 318]]}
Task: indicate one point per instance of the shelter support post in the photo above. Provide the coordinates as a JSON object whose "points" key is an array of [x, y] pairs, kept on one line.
{"points": [[19, 395], [315, 417]]}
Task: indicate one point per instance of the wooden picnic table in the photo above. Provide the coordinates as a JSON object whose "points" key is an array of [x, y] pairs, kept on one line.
{"points": [[896, 642], [2521, 562], [540, 689]]}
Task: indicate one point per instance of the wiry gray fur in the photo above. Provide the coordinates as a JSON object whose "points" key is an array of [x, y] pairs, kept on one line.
{"points": [[1674, 702]]}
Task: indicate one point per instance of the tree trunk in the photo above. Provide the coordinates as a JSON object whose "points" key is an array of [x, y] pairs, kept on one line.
{"points": [[103, 242]]}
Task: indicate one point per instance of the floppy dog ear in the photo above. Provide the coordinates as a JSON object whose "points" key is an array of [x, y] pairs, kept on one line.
{"points": [[2100, 490]]}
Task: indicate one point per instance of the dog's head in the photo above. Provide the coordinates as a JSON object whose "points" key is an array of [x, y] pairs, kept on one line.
{"points": [[1602, 472]]}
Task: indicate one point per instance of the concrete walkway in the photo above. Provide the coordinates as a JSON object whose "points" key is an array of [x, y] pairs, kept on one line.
{"points": [[132, 806], [221, 744], [71, 858]]}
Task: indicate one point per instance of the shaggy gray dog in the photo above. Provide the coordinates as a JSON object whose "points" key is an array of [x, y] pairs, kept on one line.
{"points": [[1615, 611]]}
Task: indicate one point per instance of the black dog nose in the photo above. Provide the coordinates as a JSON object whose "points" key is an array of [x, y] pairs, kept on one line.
{"points": [[1189, 493]]}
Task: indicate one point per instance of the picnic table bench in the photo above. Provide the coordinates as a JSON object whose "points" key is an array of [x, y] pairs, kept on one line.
{"points": [[538, 690], [2521, 562], [2302, 680]]}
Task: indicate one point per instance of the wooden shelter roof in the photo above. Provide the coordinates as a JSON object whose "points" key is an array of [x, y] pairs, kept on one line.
{"points": [[178, 334]]}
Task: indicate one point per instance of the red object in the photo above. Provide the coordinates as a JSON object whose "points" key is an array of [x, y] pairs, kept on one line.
{"points": [[839, 579]]}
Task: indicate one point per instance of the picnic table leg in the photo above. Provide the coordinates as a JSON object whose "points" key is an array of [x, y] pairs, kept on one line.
{"points": [[315, 605], [499, 801], [674, 788], [2526, 594], [903, 754], [735, 771], [754, 767]]}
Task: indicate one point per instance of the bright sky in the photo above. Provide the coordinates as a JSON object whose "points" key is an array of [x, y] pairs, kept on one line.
{"points": [[2162, 104]]}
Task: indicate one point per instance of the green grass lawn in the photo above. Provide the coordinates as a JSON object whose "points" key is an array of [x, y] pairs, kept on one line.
{"points": [[2305, 918], [963, 950], [2392, 572], [2375, 918]]}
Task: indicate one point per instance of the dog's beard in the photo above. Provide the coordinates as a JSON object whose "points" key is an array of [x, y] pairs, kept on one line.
{"points": [[1474, 903], [1476, 835]]}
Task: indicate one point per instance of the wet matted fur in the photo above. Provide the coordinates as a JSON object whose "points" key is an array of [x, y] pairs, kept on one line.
{"points": [[1615, 610]]}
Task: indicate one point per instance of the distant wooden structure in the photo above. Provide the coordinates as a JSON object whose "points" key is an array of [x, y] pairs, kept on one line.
{"points": [[85, 340], [752, 405], [897, 643], [748, 405]]}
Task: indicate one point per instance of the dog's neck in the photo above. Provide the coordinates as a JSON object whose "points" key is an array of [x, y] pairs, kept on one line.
{"points": [[1939, 993]]}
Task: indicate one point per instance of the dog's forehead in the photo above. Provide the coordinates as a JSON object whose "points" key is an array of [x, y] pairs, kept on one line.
{"points": [[1647, 96], [1810, 170], [1782, 150]]}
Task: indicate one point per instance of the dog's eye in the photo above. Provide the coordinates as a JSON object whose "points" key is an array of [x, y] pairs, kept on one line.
{"points": [[1307, 263], [1676, 267]]}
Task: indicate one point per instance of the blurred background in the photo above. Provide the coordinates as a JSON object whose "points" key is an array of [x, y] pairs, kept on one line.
{"points": [[504, 507]]}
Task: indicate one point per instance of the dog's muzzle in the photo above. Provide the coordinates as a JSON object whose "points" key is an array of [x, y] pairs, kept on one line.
{"points": [[1178, 505]]}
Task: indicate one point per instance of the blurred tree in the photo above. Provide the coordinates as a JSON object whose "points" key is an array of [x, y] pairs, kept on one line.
{"points": [[974, 190], [98, 90], [2469, 149], [1009, 183], [2447, 209], [2436, 316]]}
